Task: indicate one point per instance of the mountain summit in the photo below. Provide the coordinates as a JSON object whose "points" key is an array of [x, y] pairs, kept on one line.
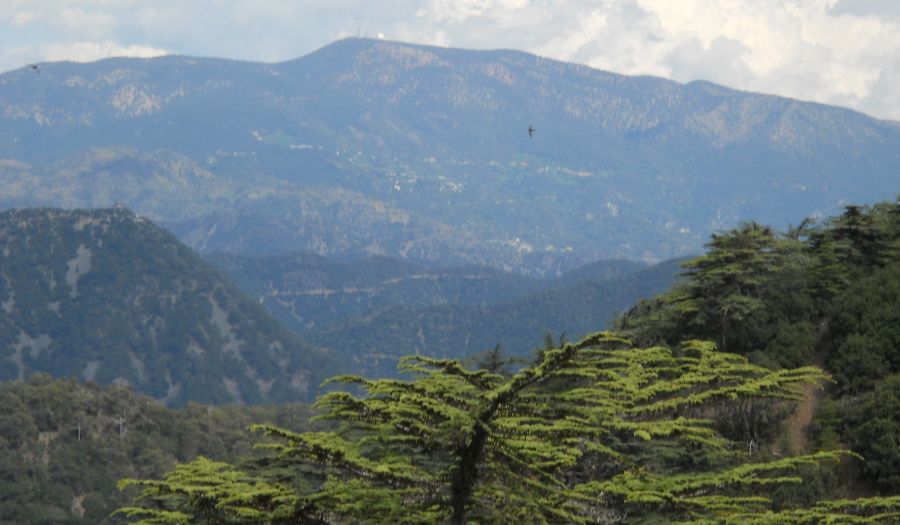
{"points": [[106, 296], [424, 153]]}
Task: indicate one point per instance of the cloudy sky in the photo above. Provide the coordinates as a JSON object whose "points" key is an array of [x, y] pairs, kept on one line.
{"points": [[843, 52]]}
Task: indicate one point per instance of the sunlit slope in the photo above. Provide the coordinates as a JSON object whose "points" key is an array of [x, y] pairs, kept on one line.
{"points": [[374, 147]]}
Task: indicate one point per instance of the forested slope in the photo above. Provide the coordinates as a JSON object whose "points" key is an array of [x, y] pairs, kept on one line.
{"points": [[377, 341], [64, 445], [826, 294], [374, 310], [646, 425], [105, 295]]}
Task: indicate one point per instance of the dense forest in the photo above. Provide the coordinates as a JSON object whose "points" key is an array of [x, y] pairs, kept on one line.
{"points": [[373, 311], [64, 444], [828, 295], [762, 388], [107, 296]]}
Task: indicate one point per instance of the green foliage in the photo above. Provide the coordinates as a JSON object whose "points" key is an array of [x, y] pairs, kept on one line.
{"points": [[106, 296], [727, 280], [64, 444], [865, 324], [594, 431], [217, 490], [471, 446], [874, 432], [750, 286], [837, 512], [826, 425], [601, 431], [495, 361], [828, 294], [756, 289], [793, 343]]}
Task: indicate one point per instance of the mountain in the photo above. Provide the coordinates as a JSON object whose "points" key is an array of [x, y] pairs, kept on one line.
{"points": [[106, 296], [372, 311], [306, 291], [369, 147]]}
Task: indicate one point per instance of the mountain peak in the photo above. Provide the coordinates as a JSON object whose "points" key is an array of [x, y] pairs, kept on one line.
{"points": [[426, 153], [107, 296]]}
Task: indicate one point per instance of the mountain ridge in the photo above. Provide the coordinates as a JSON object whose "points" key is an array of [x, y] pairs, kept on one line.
{"points": [[423, 153], [106, 296], [372, 311], [308, 292]]}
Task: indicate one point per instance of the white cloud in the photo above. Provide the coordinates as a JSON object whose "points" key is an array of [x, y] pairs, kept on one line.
{"points": [[22, 18], [801, 49], [456, 11], [723, 59], [843, 52], [83, 23], [838, 52], [90, 51], [16, 54], [250, 11]]}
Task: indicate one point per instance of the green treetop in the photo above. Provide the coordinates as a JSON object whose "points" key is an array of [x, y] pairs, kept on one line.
{"points": [[563, 441]]}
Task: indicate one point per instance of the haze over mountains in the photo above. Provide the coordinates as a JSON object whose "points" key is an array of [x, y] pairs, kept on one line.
{"points": [[371, 312], [375, 197], [106, 296], [381, 148]]}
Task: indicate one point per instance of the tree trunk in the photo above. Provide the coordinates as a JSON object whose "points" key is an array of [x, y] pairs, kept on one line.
{"points": [[466, 475]]}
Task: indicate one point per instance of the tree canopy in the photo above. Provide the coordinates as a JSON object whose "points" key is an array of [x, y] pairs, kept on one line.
{"points": [[629, 426], [594, 432]]}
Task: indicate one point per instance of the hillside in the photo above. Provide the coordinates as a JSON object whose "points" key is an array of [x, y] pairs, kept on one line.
{"points": [[701, 407], [308, 292], [373, 310], [828, 292], [368, 147], [375, 342], [65, 444], [106, 296], [825, 294]]}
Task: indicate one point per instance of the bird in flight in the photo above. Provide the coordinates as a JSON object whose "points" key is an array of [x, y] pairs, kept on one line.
{"points": [[531, 131]]}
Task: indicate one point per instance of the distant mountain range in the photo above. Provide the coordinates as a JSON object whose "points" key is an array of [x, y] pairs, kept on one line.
{"points": [[106, 296], [372, 311], [369, 147]]}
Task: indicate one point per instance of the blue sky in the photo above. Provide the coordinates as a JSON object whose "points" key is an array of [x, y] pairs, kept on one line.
{"points": [[842, 52]]}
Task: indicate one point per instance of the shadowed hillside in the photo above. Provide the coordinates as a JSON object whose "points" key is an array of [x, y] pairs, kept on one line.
{"points": [[373, 311], [106, 296]]}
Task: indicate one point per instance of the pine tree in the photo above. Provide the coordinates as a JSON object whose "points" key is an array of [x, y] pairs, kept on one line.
{"points": [[205, 491], [727, 294], [563, 441]]}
